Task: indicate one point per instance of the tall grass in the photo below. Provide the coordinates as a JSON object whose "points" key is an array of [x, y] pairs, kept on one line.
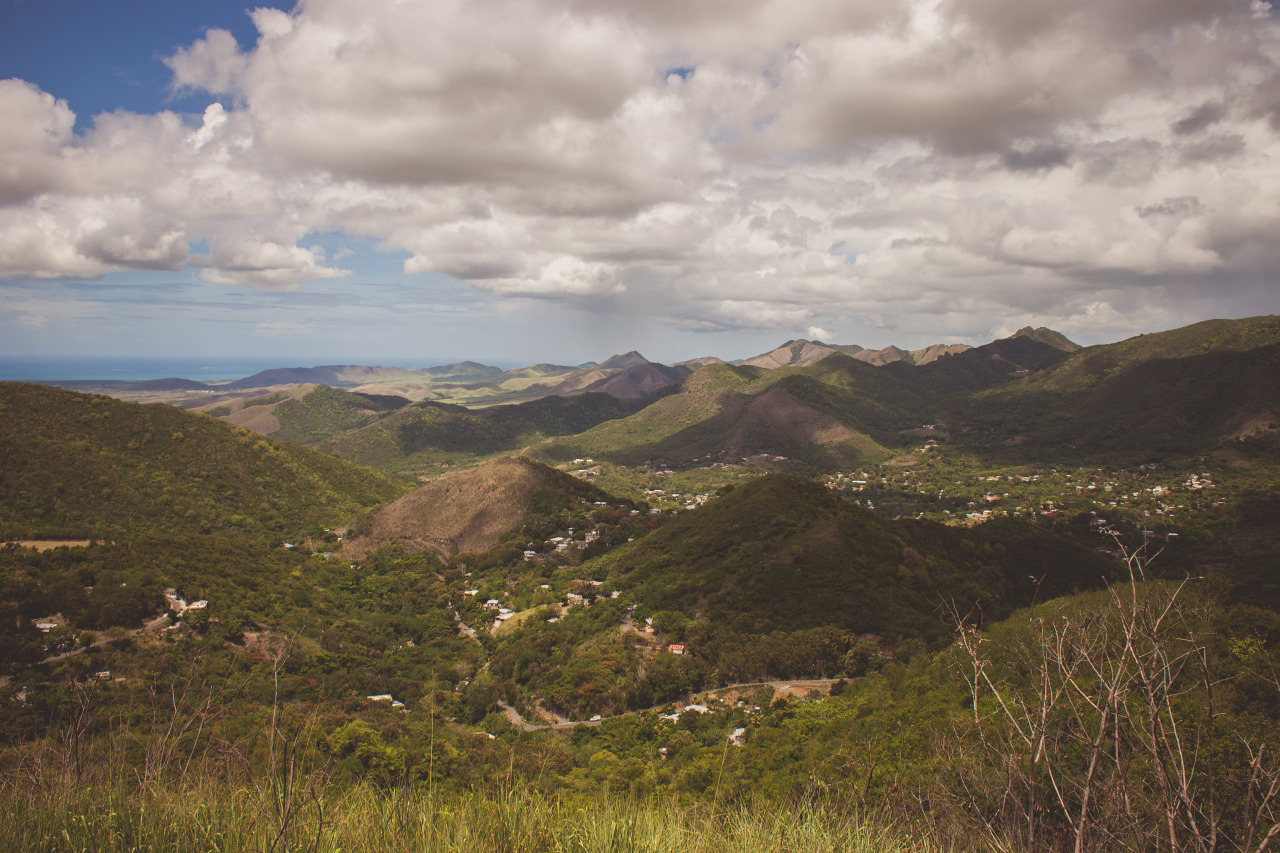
{"points": [[218, 817]]}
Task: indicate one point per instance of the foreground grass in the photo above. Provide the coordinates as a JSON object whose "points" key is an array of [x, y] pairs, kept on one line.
{"points": [[223, 818]]}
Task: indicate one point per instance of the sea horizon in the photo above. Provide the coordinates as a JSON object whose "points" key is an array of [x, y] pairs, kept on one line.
{"points": [[52, 368]]}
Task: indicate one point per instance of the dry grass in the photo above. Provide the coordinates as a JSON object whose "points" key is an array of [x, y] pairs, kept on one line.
{"points": [[461, 512], [217, 818]]}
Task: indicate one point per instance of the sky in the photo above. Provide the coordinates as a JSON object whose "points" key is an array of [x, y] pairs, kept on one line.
{"points": [[519, 181]]}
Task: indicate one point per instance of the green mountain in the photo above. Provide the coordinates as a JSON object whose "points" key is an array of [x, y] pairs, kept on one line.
{"points": [[837, 411], [1180, 392], [95, 466], [416, 438], [307, 414], [726, 412], [784, 553], [1047, 336]]}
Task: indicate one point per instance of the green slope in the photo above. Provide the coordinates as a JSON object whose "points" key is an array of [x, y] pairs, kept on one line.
{"points": [[95, 466], [813, 414], [416, 438], [784, 553], [327, 412], [837, 412], [1094, 365], [1182, 392]]}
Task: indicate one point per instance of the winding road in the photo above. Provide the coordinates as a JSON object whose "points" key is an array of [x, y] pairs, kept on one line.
{"points": [[796, 687]]}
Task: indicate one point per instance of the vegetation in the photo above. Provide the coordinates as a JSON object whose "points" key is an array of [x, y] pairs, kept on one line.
{"points": [[781, 552], [216, 817], [87, 467], [956, 631], [422, 437]]}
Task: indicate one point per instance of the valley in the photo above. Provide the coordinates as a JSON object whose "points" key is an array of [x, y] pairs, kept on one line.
{"points": [[864, 580]]}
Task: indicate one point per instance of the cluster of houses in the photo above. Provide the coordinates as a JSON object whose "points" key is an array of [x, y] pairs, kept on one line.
{"points": [[179, 605], [1048, 496], [388, 698]]}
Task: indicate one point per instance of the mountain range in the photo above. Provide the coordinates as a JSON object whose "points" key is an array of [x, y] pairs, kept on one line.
{"points": [[1028, 395]]}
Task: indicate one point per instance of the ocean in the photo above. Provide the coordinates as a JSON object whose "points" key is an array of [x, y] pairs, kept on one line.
{"points": [[66, 368], [44, 368]]}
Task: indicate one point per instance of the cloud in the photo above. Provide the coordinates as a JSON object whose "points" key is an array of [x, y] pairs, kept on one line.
{"points": [[284, 327], [34, 132], [262, 263], [975, 161], [213, 63]]}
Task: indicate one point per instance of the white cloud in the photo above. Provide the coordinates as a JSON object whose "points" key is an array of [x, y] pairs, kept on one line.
{"points": [[284, 327], [34, 132], [263, 263], [748, 165], [213, 63]]}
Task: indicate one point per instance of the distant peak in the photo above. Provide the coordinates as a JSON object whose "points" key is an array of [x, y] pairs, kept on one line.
{"points": [[1044, 335], [625, 360]]}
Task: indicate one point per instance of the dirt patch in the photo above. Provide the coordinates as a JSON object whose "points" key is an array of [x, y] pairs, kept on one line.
{"points": [[50, 544]]}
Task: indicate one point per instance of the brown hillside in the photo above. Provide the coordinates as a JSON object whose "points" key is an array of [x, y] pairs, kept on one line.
{"points": [[937, 351], [775, 412], [799, 353], [638, 380], [464, 512]]}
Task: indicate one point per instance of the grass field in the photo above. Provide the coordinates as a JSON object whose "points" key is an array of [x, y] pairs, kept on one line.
{"points": [[220, 817]]}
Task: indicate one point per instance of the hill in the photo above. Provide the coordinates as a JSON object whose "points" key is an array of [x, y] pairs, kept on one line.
{"points": [[94, 466], [333, 374], [802, 353], [307, 414], [415, 439], [784, 553], [1180, 392], [1047, 336], [639, 380], [470, 511], [835, 412], [791, 354]]}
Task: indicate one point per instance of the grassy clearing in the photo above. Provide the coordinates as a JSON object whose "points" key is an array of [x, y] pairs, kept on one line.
{"points": [[216, 817]]}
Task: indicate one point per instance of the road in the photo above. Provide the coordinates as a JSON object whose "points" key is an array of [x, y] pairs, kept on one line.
{"points": [[154, 625], [786, 687]]}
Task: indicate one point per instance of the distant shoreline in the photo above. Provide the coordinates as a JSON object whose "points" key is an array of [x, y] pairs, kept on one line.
{"points": [[211, 369], [88, 369]]}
